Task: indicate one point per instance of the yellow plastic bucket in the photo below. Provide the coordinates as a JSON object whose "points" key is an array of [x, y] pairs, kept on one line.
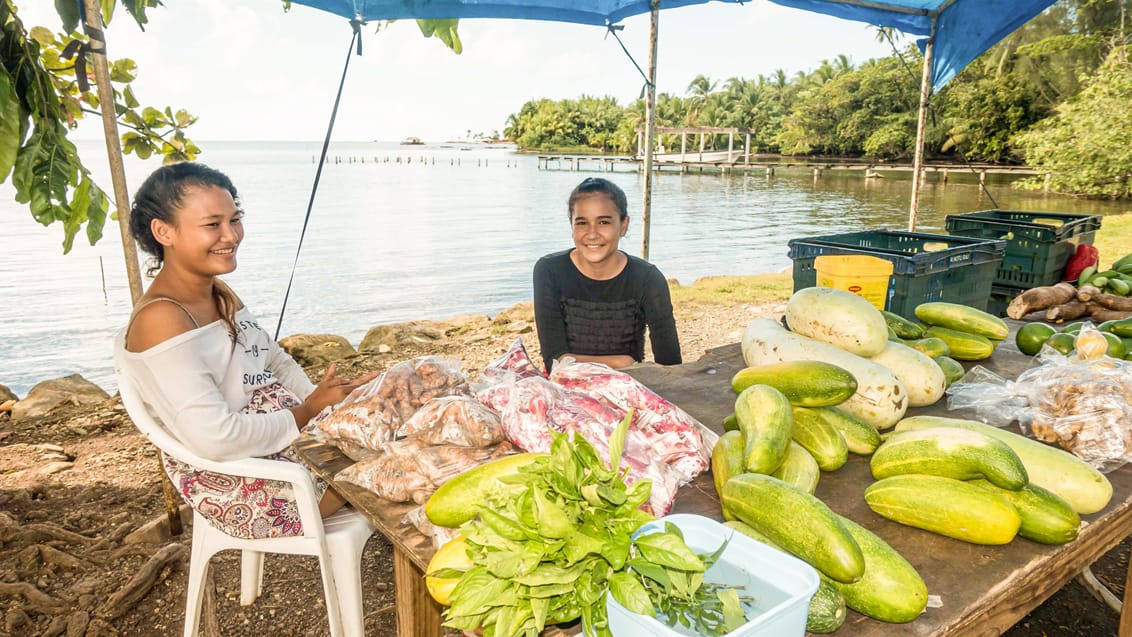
{"points": [[859, 274]]}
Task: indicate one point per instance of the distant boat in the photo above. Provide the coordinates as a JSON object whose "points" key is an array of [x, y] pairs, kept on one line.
{"points": [[412, 141]]}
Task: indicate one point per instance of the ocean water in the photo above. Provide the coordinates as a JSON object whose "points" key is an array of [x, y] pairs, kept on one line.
{"points": [[426, 232]]}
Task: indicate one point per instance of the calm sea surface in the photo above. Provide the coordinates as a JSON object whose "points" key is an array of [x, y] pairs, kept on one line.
{"points": [[455, 230]]}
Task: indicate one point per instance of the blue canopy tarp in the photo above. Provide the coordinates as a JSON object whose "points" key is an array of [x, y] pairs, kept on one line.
{"points": [[963, 29]]}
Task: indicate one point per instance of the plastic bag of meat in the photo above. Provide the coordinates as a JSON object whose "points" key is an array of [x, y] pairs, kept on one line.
{"points": [[530, 408], [454, 420], [441, 463], [515, 361], [372, 413], [394, 478], [676, 438]]}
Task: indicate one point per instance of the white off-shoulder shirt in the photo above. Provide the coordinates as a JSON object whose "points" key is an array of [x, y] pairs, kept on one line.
{"points": [[197, 383]]}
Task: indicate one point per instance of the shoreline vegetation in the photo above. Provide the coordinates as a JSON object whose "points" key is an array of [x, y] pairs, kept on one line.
{"points": [[1050, 96]]}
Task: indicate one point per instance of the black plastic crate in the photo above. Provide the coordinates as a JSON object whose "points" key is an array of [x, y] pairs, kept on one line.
{"points": [[926, 267], [1036, 252]]}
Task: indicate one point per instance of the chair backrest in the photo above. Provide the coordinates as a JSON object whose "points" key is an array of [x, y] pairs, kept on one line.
{"points": [[152, 429]]}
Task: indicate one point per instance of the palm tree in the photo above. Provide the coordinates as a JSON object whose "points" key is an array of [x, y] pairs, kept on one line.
{"points": [[699, 89]]}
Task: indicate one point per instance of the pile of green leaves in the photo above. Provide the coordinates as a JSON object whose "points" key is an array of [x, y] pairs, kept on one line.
{"points": [[550, 552]]}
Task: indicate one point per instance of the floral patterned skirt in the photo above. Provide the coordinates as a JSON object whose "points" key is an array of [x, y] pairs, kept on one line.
{"points": [[245, 506]]}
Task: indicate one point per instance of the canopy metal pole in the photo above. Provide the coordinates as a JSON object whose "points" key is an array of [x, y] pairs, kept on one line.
{"points": [[921, 123], [93, 27], [650, 129]]}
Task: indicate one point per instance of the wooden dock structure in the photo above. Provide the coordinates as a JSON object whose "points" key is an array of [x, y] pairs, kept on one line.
{"points": [[731, 162]]}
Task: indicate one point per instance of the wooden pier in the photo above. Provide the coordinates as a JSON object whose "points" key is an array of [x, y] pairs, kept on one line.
{"points": [[731, 162]]}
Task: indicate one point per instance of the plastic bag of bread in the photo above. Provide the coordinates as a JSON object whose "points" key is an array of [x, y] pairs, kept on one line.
{"points": [[454, 420]]}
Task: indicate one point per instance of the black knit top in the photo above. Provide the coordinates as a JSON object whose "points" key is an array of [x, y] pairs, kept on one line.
{"points": [[580, 315]]}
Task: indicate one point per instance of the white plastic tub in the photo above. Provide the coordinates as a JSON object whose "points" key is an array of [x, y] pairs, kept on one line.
{"points": [[780, 584]]}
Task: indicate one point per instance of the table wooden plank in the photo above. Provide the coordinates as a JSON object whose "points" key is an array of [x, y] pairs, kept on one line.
{"points": [[984, 590]]}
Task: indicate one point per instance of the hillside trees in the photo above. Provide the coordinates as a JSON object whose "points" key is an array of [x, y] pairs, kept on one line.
{"points": [[1087, 144]]}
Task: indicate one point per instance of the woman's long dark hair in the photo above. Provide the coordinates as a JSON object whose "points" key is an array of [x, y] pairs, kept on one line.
{"points": [[160, 196]]}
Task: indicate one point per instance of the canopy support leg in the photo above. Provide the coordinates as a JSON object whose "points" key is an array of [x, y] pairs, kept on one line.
{"points": [[650, 129], [921, 124]]}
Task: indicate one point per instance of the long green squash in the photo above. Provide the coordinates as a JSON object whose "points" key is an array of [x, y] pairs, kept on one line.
{"points": [[860, 437], [766, 422], [891, 590], [727, 460], [962, 318], [799, 469], [946, 506], [820, 439], [798, 522], [952, 453], [806, 383], [1046, 518], [1084, 488]]}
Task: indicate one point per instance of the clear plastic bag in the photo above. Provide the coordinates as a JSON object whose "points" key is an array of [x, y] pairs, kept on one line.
{"points": [[515, 360], [1082, 404], [372, 413], [390, 477], [440, 535], [440, 463], [454, 420], [674, 437], [530, 408], [993, 399]]}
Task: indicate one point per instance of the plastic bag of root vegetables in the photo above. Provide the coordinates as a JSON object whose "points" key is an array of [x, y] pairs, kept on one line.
{"points": [[454, 420], [372, 413]]}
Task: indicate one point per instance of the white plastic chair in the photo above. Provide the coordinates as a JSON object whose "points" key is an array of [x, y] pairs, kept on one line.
{"points": [[337, 541]]}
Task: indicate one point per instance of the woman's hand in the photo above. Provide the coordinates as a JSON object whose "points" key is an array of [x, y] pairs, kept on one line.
{"points": [[331, 390]]}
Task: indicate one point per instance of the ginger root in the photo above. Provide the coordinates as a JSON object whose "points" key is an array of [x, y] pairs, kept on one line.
{"points": [[1041, 298]]}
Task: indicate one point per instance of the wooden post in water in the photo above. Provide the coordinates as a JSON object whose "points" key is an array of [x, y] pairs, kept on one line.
{"points": [[683, 146], [747, 147], [650, 127], [730, 145], [921, 123], [701, 158], [93, 28]]}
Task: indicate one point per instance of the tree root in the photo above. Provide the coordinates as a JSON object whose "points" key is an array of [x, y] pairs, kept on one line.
{"points": [[150, 573], [32, 558], [38, 601], [40, 532]]}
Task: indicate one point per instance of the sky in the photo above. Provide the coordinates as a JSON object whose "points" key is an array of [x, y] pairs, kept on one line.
{"points": [[251, 71]]}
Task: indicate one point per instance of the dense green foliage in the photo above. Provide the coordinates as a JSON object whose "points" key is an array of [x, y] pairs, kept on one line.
{"points": [[1087, 144], [869, 110]]}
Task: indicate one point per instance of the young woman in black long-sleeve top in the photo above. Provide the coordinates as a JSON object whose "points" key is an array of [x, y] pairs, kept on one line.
{"points": [[593, 302]]}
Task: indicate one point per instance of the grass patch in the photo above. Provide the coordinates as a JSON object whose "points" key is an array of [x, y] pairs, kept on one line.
{"points": [[1114, 239], [729, 290]]}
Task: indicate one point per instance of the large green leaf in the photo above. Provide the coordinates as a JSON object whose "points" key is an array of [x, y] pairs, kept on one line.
{"points": [[68, 11], [10, 119]]}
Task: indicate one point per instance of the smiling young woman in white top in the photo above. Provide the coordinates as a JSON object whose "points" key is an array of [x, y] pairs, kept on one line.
{"points": [[203, 365]]}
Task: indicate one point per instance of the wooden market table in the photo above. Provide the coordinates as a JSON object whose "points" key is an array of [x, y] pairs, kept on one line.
{"points": [[982, 590]]}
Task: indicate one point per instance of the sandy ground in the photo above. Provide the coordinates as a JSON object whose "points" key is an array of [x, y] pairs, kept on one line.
{"points": [[65, 569]]}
